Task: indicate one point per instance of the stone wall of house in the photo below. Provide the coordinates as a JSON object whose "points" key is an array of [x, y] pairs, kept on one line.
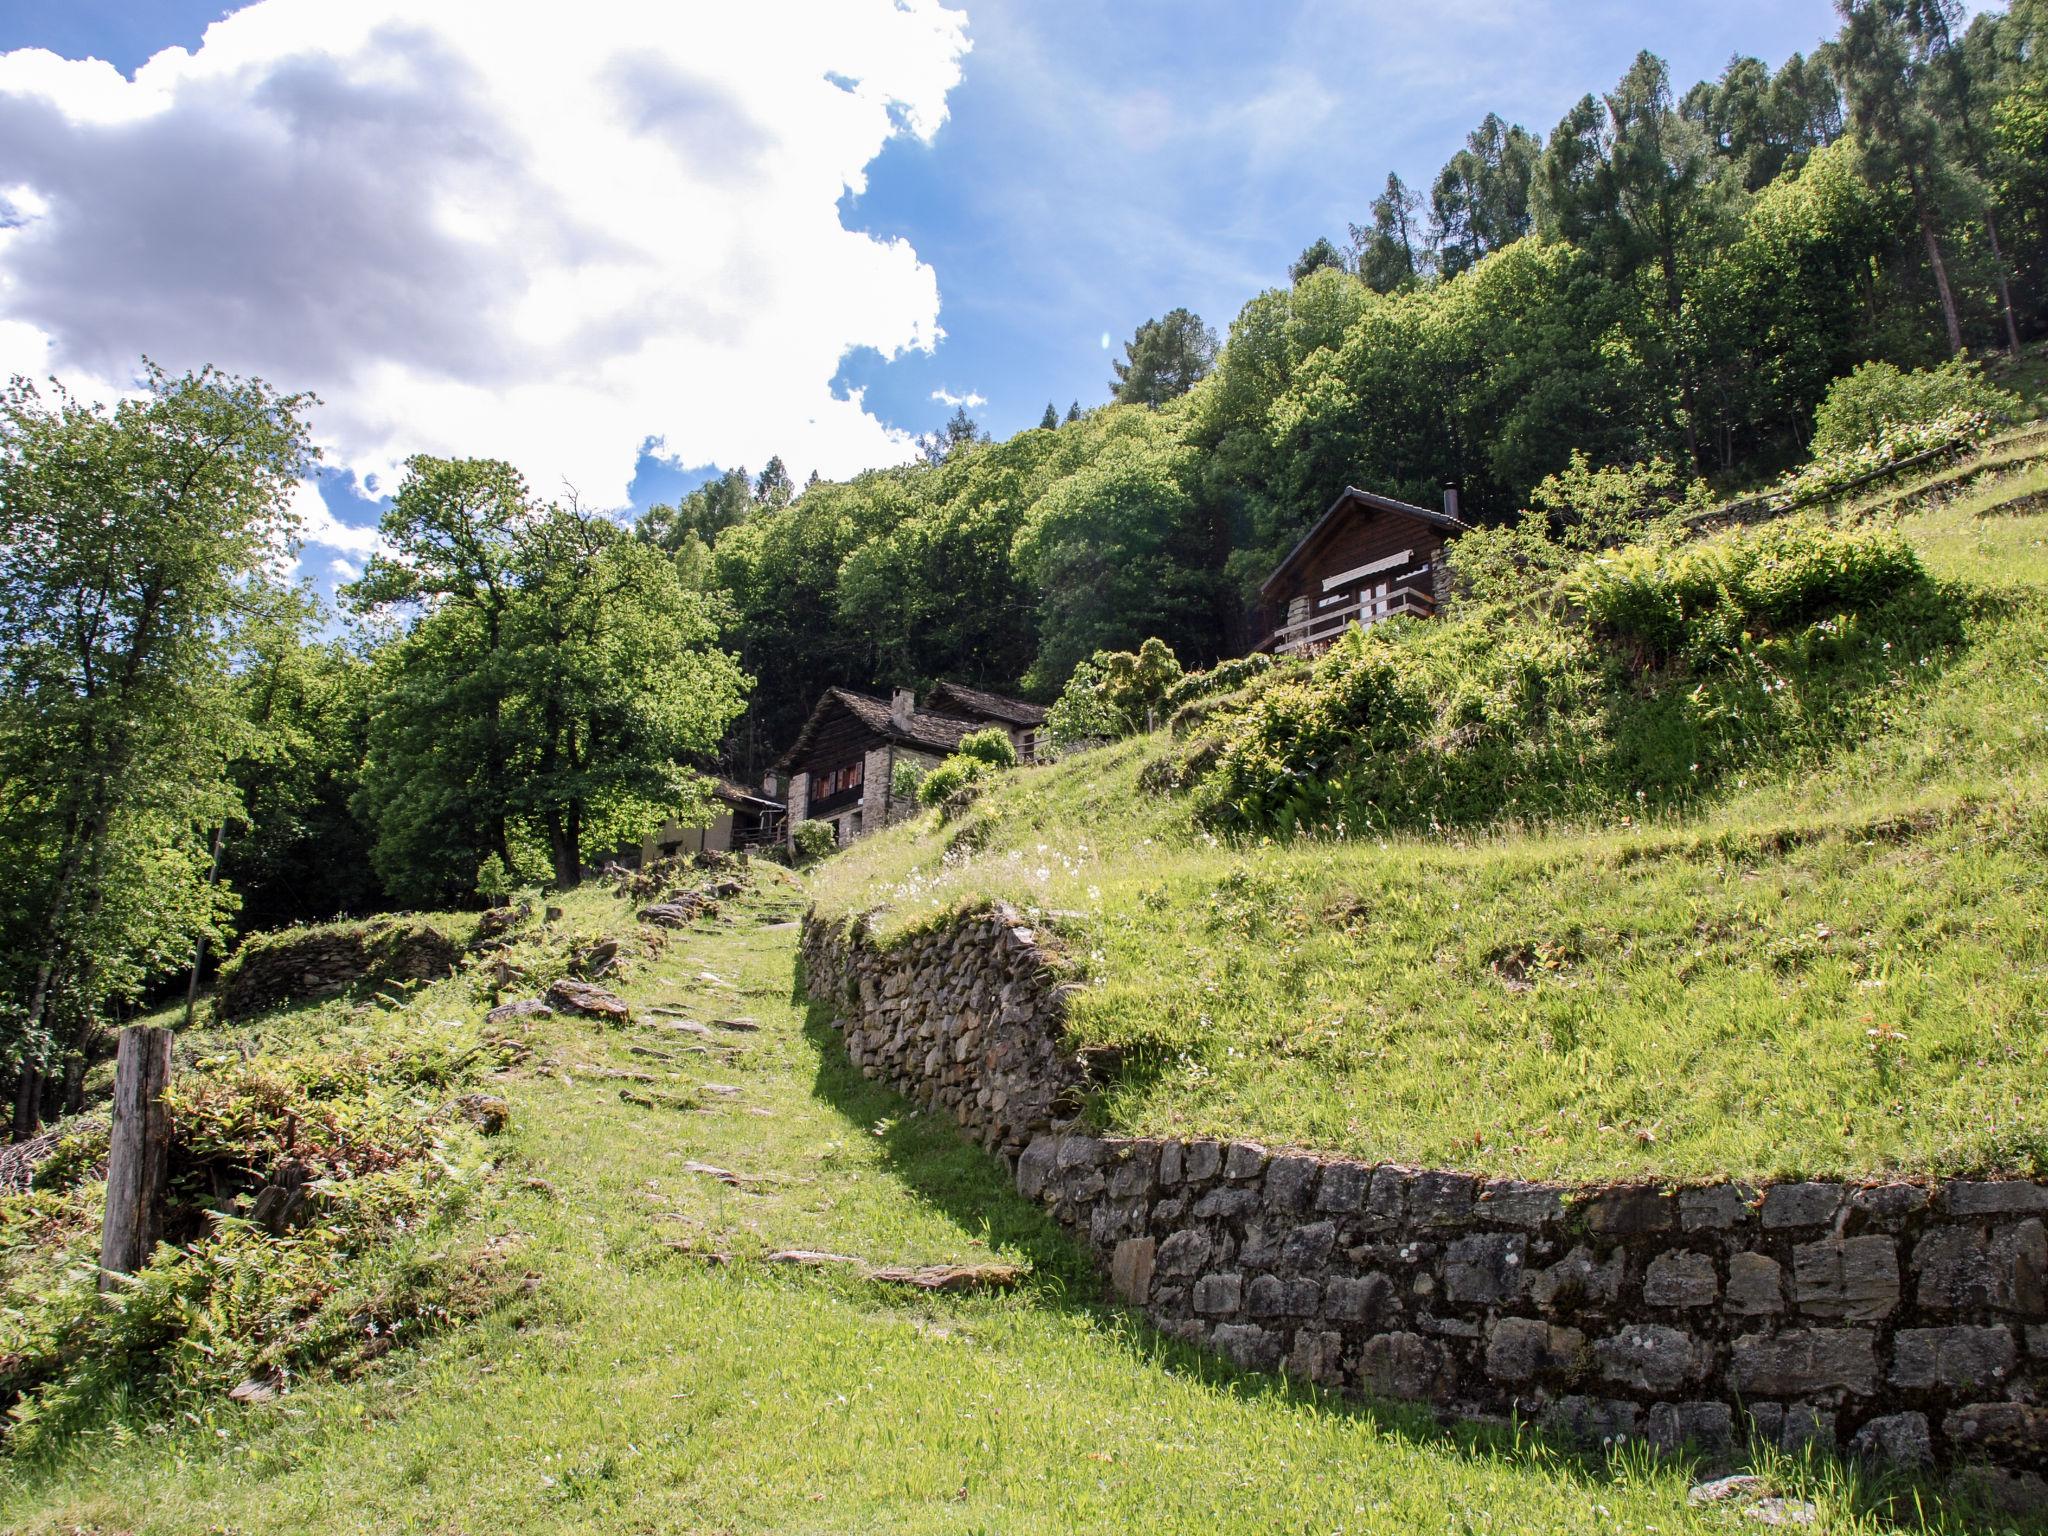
{"points": [[875, 790], [799, 800], [1906, 1320]]}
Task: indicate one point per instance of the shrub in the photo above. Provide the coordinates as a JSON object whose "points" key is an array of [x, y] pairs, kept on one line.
{"points": [[1589, 508], [1860, 406], [905, 777], [949, 778], [991, 746], [1082, 714], [1224, 677], [1135, 682], [813, 840]]}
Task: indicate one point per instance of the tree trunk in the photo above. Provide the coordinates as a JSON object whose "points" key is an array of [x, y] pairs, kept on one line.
{"points": [[2012, 330], [138, 1152], [28, 1100], [1934, 260]]}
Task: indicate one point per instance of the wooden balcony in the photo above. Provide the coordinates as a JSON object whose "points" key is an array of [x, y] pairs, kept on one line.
{"points": [[1318, 631]]}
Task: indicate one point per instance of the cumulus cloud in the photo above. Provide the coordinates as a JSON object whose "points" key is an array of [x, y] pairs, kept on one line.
{"points": [[947, 397], [544, 234], [318, 525]]}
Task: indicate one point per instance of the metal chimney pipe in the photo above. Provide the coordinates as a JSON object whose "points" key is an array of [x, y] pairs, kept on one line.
{"points": [[1450, 498]]}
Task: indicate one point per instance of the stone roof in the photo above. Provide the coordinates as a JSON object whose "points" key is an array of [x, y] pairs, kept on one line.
{"points": [[956, 699], [932, 732]]}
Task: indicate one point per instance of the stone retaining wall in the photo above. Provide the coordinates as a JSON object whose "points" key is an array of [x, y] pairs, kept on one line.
{"points": [[1904, 1320], [270, 969]]}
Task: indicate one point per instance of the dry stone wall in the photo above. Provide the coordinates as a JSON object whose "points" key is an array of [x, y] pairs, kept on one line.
{"points": [[1904, 1320], [270, 969]]}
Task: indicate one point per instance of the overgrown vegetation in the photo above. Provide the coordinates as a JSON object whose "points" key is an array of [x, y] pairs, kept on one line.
{"points": [[1729, 867]]}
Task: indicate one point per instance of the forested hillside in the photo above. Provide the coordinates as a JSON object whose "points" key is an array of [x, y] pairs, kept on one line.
{"points": [[1669, 277]]}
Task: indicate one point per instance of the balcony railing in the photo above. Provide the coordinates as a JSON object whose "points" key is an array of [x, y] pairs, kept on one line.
{"points": [[1319, 630]]}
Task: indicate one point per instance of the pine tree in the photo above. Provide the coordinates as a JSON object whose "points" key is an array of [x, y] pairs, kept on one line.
{"points": [[1051, 418], [1074, 411]]}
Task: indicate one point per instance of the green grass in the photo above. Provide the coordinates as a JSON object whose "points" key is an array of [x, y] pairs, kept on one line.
{"points": [[656, 1375], [1838, 966]]}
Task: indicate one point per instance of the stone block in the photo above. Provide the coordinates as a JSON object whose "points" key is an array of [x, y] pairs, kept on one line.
{"points": [[1202, 1161], [1227, 1201], [1341, 1189], [1756, 1285], [1130, 1269], [1681, 1279], [1368, 1299], [1308, 1247], [1592, 1420], [1629, 1210], [2001, 1197], [1317, 1356], [1519, 1203], [1130, 1176], [1243, 1161], [1715, 1208], [1035, 1166], [1964, 1360], [1852, 1279], [1526, 1349], [1405, 1365], [1801, 1205], [1219, 1295], [1961, 1269], [1805, 1361], [2005, 1431], [1386, 1198], [1290, 1181], [1248, 1346], [1172, 1164], [1576, 1281], [1485, 1269], [1441, 1199], [1890, 1202], [1651, 1358], [1700, 1426], [1271, 1296], [1186, 1252], [1792, 1429], [1896, 1439]]}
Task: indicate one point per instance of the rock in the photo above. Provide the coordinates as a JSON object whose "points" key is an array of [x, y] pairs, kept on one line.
{"points": [[1524, 1349], [1805, 1361], [588, 998], [525, 1008], [1650, 1358], [1576, 1280], [1244, 1160], [1592, 1420], [1756, 1286], [1130, 1269], [1682, 1279], [1485, 1269], [1341, 1190], [1973, 1360], [1289, 1181], [2003, 1197], [2008, 1431], [1742, 1488], [1628, 1210], [673, 914], [1317, 1356], [1441, 1199], [1367, 1299], [1185, 1252], [1702, 1426], [256, 1389], [1900, 1439], [1714, 1208], [1405, 1365], [1778, 1510], [1219, 1295], [1851, 1279], [1247, 1346], [486, 1111], [1962, 1269], [1518, 1203], [1801, 1205]]}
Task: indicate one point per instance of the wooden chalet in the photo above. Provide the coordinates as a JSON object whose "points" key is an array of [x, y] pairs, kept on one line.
{"points": [[1368, 558], [841, 767]]}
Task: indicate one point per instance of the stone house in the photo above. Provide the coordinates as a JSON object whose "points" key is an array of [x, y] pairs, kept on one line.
{"points": [[1368, 558], [842, 765], [740, 819]]}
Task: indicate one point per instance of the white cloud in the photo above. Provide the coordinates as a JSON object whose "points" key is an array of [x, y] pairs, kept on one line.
{"points": [[342, 570], [481, 228], [947, 397], [319, 525]]}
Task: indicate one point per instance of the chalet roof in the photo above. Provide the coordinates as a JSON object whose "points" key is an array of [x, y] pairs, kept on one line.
{"points": [[933, 732], [956, 699], [739, 795], [1353, 496]]}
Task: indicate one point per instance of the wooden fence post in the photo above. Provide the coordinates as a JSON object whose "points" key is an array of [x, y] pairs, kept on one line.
{"points": [[139, 1154]]}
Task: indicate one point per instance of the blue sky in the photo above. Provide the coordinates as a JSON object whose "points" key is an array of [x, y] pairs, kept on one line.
{"points": [[1096, 163]]}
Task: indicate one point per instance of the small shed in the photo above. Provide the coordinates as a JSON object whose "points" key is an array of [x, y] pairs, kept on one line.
{"points": [[1368, 558]]}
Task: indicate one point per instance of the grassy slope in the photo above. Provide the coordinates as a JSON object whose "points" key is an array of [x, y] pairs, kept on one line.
{"points": [[639, 1387], [1840, 969]]}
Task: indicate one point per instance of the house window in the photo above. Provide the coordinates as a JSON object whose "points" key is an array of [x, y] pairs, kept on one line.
{"points": [[838, 781]]}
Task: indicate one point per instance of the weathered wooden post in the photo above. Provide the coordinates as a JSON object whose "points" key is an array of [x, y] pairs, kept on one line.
{"points": [[139, 1153]]}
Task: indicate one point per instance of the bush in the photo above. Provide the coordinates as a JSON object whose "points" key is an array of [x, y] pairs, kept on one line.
{"points": [[813, 840], [949, 778], [1083, 715], [1135, 682], [905, 777], [1224, 677], [1860, 406], [991, 746]]}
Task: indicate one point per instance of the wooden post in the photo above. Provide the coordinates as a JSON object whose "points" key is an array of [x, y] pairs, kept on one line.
{"points": [[139, 1154]]}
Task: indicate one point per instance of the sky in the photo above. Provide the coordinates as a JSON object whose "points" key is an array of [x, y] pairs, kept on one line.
{"points": [[626, 243]]}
